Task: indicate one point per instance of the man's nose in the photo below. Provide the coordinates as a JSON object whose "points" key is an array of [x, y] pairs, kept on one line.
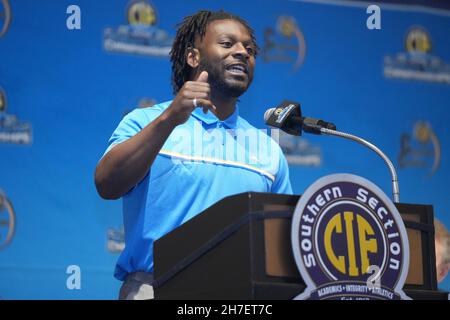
{"points": [[240, 50]]}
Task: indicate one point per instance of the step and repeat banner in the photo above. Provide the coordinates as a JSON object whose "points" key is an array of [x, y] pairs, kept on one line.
{"points": [[70, 70]]}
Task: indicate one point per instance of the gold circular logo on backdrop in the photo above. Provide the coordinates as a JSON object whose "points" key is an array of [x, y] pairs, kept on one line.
{"points": [[422, 132], [418, 40], [5, 16], [141, 13], [2, 100], [287, 26], [7, 221]]}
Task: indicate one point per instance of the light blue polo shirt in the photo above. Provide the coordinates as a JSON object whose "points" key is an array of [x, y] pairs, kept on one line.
{"points": [[203, 161]]}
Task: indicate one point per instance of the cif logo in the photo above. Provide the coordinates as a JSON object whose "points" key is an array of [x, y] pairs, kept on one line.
{"points": [[7, 221], [417, 61], [344, 233], [418, 40], [421, 148], [141, 12], [12, 129], [286, 44], [5, 16], [140, 35], [344, 228]]}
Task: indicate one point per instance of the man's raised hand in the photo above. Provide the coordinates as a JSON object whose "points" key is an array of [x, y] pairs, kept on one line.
{"points": [[192, 94]]}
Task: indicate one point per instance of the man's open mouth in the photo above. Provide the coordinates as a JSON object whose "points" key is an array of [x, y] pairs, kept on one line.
{"points": [[237, 68]]}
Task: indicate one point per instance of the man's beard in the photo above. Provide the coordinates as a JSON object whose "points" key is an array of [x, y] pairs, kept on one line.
{"points": [[216, 79]]}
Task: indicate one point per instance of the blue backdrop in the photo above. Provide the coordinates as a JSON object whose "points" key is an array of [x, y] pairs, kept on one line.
{"points": [[64, 91]]}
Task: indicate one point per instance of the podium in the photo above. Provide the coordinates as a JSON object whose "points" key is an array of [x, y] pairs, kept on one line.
{"points": [[240, 248]]}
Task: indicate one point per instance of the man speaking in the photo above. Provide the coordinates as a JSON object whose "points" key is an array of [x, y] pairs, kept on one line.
{"points": [[156, 161]]}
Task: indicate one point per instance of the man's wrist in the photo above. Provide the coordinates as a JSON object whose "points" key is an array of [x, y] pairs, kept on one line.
{"points": [[167, 120]]}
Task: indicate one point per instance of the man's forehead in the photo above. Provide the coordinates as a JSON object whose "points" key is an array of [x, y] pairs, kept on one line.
{"points": [[227, 27]]}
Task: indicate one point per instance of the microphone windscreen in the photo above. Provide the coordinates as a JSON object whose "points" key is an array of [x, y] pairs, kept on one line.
{"points": [[268, 113]]}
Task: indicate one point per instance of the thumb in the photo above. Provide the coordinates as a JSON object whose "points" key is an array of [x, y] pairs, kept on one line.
{"points": [[203, 77]]}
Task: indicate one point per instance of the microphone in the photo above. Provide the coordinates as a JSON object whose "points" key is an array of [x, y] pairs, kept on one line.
{"points": [[288, 117]]}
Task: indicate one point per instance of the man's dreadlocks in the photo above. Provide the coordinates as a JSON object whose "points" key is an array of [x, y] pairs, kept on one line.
{"points": [[188, 30]]}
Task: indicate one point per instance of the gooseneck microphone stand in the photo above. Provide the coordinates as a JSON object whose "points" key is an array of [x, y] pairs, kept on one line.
{"points": [[395, 188]]}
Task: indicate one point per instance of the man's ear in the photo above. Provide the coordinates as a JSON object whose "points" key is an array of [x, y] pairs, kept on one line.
{"points": [[193, 57]]}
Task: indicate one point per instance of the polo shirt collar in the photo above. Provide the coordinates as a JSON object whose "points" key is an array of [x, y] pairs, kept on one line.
{"points": [[209, 118]]}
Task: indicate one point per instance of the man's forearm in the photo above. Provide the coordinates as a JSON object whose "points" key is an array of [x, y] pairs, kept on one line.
{"points": [[128, 162]]}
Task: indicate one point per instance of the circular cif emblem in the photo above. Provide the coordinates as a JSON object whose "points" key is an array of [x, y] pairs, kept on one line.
{"points": [[5, 16], [141, 13], [7, 221], [418, 40], [349, 241]]}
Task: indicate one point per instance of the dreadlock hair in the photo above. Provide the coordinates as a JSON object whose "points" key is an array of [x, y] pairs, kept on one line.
{"points": [[188, 30]]}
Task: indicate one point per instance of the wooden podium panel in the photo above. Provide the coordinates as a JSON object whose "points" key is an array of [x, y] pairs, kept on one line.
{"points": [[240, 248]]}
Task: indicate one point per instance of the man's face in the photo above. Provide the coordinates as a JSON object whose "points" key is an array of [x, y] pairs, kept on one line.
{"points": [[442, 268], [227, 54]]}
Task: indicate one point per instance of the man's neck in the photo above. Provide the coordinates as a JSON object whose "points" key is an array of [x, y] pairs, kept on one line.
{"points": [[225, 106]]}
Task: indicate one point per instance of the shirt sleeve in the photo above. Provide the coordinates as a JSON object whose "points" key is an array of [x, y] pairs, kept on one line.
{"points": [[282, 183], [130, 125]]}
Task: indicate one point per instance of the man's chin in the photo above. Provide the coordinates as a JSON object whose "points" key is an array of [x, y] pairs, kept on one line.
{"points": [[231, 86], [235, 88], [234, 92]]}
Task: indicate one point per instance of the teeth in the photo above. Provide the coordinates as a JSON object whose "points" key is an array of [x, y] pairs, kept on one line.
{"points": [[237, 68]]}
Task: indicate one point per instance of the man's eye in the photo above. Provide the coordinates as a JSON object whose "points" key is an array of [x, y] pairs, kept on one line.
{"points": [[251, 51], [226, 44]]}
